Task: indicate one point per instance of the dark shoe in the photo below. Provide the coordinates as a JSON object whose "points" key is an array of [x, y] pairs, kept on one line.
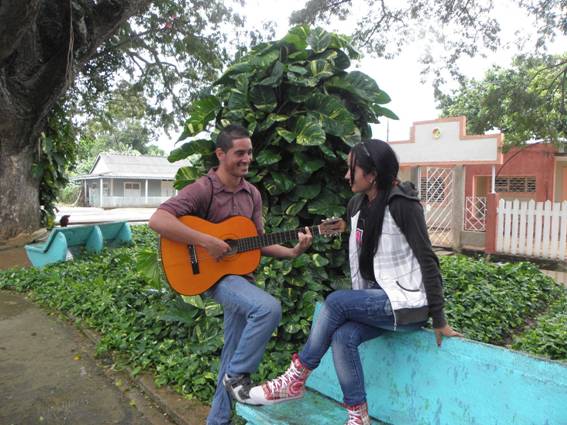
{"points": [[239, 388]]}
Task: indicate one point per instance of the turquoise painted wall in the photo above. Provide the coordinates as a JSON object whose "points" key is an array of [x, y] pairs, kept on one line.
{"points": [[410, 381]]}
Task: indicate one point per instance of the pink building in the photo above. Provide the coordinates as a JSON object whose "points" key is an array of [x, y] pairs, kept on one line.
{"points": [[462, 178]]}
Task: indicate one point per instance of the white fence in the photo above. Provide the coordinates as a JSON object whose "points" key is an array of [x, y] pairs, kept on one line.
{"points": [[532, 229]]}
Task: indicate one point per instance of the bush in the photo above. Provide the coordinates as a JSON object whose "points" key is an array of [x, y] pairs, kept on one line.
{"points": [[489, 302], [69, 194], [548, 336]]}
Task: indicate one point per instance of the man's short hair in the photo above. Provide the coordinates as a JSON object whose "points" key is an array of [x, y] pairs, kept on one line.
{"points": [[229, 134]]}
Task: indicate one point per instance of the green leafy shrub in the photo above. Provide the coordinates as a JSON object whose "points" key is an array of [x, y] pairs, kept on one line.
{"points": [[548, 335], [149, 328], [304, 110], [488, 302]]}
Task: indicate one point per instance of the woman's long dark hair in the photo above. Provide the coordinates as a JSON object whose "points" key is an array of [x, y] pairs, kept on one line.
{"points": [[374, 156]]}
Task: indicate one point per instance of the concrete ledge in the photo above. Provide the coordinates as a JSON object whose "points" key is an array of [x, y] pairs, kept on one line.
{"points": [[313, 409], [409, 380]]}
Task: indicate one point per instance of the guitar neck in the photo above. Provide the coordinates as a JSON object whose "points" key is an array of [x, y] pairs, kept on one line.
{"points": [[257, 242]]}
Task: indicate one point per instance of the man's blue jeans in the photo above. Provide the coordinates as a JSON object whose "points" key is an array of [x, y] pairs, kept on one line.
{"points": [[346, 320], [250, 317]]}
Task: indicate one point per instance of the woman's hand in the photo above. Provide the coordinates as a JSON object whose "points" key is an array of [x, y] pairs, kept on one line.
{"points": [[444, 331]]}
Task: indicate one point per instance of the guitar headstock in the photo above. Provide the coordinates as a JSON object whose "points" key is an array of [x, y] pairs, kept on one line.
{"points": [[332, 226]]}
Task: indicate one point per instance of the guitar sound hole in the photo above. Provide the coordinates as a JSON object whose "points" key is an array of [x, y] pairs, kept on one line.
{"points": [[233, 246]]}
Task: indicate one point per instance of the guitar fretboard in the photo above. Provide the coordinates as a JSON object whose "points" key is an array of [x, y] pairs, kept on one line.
{"points": [[257, 242]]}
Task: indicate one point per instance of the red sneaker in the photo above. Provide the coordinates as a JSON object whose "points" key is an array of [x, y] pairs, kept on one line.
{"points": [[358, 415], [289, 386]]}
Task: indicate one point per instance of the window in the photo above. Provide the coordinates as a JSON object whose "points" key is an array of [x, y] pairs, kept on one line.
{"points": [[515, 184], [131, 189], [432, 189]]}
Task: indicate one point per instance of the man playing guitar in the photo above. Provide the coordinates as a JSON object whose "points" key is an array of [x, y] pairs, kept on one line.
{"points": [[250, 313]]}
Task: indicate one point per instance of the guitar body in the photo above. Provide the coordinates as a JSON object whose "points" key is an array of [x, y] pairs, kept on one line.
{"points": [[190, 270]]}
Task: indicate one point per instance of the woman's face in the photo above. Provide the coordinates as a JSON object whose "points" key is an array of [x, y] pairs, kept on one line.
{"points": [[361, 181]]}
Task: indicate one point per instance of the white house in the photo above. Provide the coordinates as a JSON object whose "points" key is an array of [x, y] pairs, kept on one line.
{"points": [[129, 181]]}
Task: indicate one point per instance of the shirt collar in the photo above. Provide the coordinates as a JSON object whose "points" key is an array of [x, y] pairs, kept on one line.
{"points": [[218, 185]]}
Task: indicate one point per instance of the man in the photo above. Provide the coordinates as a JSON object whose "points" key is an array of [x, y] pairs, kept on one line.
{"points": [[250, 314]]}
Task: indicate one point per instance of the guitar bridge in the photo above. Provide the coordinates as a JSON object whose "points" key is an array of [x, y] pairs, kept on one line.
{"points": [[194, 259]]}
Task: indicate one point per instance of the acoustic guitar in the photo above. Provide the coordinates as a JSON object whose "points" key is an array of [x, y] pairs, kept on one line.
{"points": [[191, 270]]}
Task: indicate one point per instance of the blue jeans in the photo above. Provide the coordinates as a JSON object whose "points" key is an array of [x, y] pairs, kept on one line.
{"points": [[346, 320], [250, 317]]}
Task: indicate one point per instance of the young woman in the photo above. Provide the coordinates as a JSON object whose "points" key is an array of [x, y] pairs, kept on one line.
{"points": [[396, 282]]}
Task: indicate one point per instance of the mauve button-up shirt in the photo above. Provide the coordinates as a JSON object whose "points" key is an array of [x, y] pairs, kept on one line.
{"points": [[194, 199]]}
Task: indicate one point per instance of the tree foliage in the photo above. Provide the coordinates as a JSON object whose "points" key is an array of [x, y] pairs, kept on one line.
{"points": [[304, 110], [70, 55], [460, 29], [121, 127], [525, 101]]}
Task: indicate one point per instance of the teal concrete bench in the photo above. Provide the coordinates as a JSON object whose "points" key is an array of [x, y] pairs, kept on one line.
{"points": [[409, 381], [65, 240]]}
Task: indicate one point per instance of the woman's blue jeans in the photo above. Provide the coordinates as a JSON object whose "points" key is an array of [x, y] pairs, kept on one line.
{"points": [[250, 317], [347, 319]]}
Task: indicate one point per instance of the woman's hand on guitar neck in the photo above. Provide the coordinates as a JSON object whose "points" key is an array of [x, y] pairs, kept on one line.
{"points": [[216, 247]]}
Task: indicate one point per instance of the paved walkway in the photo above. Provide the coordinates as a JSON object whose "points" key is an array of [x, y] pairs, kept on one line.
{"points": [[49, 375]]}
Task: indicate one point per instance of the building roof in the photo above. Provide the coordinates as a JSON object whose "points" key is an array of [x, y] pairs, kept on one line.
{"points": [[130, 166]]}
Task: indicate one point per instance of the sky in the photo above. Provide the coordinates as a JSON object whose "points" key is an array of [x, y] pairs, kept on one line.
{"points": [[412, 96]]}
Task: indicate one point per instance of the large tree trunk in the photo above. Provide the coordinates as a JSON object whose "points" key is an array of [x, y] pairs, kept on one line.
{"points": [[19, 202], [43, 45]]}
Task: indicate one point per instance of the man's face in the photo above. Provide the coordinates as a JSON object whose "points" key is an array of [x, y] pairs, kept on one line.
{"points": [[237, 159]]}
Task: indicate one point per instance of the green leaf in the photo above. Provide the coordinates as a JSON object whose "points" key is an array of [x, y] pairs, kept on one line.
{"points": [[297, 69], [298, 56], [280, 183], [308, 191], [298, 94], [237, 68], [294, 79], [268, 157], [297, 37], [295, 207], [319, 260], [337, 120], [200, 146], [187, 175], [148, 265], [352, 139], [202, 111], [327, 204], [339, 41], [238, 95], [319, 39], [308, 165], [287, 135], [309, 131], [320, 68], [267, 59], [359, 85], [342, 61], [271, 120], [381, 111], [327, 151], [276, 77], [263, 98]]}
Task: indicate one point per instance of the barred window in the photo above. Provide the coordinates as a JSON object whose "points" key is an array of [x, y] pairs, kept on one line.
{"points": [[432, 189], [515, 184]]}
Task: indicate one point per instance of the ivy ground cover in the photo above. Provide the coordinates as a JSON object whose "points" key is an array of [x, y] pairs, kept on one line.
{"points": [[147, 327]]}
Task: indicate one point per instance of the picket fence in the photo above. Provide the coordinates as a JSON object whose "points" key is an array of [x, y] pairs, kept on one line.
{"points": [[533, 229]]}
